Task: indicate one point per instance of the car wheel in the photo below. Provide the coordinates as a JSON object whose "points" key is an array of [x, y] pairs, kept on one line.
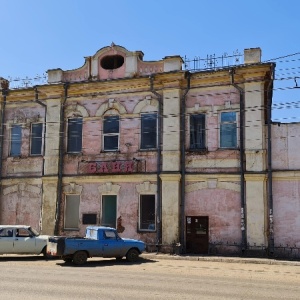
{"points": [[80, 258], [132, 255]]}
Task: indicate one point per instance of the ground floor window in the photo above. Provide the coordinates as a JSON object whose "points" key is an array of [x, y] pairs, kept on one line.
{"points": [[109, 211], [147, 212], [72, 211]]}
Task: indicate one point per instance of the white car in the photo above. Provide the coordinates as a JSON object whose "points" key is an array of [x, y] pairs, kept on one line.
{"points": [[22, 239]]}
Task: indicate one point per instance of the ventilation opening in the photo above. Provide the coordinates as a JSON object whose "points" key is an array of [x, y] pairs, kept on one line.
{"points": [[112, 62]]}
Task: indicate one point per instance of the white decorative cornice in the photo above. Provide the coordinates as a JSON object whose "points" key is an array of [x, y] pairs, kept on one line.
{"points": [[146, 187], [72, 188], [109, 188], [21, 188]]}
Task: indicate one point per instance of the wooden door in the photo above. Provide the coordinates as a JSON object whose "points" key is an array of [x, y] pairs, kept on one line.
{"points": [[197, 235]]}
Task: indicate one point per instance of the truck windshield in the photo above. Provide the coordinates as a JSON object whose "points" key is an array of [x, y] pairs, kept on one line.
{"points": [[33, 231]]}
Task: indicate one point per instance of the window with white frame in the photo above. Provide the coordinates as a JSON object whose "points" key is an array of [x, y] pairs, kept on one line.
{"points": [[228, 129], [149, 131], [147, 212], [36, 141], [197, 132], [74, 135], [72, 211], [111, 133], [15, 140]]}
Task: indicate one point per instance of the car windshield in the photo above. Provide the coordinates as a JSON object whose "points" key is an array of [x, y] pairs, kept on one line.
{"points": [[34, 232]]}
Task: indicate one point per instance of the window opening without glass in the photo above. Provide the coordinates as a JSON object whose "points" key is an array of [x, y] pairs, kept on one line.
{"points": [[147, 212]]}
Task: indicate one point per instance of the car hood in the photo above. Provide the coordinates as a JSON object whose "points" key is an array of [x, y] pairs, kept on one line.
{"points": [[133, 241]]}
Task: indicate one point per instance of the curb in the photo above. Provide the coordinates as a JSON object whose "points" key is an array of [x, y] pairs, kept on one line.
{"points": [[220, 259]]}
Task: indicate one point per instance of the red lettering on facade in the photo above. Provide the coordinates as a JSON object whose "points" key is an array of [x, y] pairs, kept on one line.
{"points": [[128, 166], [103, 167], [92, 167], [116, 166]]}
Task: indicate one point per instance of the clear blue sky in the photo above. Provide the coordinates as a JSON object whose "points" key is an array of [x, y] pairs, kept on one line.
{"points": [[37, 35]]}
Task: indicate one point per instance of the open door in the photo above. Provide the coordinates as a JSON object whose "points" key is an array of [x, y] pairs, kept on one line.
{"points": [[197, 235]]}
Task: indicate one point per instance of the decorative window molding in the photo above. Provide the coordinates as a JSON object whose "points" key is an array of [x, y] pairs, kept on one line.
{"points": [[72, 188], [109, 188], [21, 188], [146, 188]]}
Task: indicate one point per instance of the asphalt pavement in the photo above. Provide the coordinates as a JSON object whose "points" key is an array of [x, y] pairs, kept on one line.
{"points": [[157, 255]]}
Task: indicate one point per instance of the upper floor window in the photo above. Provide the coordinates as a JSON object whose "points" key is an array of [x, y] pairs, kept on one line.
{"points": [[15, 140], [36, 142], [111, 133], [228, 130], [149, 131], [197, 131], [74, 135]]}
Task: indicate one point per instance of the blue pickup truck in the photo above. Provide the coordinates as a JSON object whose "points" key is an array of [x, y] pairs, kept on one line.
{"points": [[99, 241]]}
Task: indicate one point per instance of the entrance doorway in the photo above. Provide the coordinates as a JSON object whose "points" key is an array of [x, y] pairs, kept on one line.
{"points": [[109, 211], [197, 235]]}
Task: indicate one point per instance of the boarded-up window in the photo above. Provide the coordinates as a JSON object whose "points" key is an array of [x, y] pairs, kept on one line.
{"points": [[109, 211], [72, 211]]}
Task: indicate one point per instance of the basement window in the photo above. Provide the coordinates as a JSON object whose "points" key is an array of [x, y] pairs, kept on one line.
{"points": [[112, 62]]}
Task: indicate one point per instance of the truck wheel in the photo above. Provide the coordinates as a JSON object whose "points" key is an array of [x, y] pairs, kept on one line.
{"points": [[45, 254], [80, 258], [132, 255]]}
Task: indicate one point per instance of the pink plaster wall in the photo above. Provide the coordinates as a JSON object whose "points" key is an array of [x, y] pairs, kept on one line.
{"points": [[127, 208], [286, 206], [223, 209], [21, 209], [285, 146]]}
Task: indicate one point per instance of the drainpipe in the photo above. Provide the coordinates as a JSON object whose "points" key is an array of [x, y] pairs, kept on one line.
{"points": [[4, 94], [45, 106], [60, 159], [159, 140], [269, 153], [183, 161], [242, 154]]}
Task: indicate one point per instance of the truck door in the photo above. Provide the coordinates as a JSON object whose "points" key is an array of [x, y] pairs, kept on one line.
{"points": [[197, 235], [112, 245], [6, 241], [24, 242]]}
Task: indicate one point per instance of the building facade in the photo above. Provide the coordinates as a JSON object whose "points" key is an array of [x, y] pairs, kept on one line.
{"points": [[164, 155]]}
